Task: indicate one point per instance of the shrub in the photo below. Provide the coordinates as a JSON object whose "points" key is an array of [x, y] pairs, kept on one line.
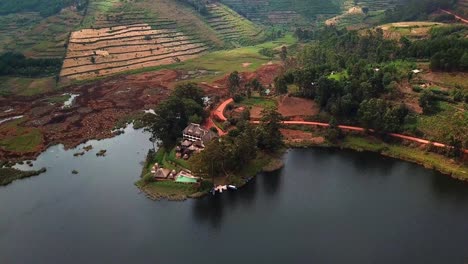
{"points": [[416, 89]]}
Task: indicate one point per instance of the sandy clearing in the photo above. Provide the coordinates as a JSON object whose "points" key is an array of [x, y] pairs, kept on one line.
{"points": [[295, 106]]}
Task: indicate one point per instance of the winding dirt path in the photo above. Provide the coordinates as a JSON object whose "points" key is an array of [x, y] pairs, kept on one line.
{"points": [[219, 113], [455, 15]]}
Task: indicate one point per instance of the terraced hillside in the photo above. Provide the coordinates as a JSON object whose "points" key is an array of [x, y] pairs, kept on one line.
{"points": [[284, 11], [38, 37], [230, 26], [120, 36], [99, 52], [361, 14]]}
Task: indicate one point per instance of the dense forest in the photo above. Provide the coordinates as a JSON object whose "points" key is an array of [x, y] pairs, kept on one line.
{"points": [[44, 7], [16, 64]]}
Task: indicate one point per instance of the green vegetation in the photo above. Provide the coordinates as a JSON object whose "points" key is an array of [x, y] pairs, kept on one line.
{"points": [[8, 175], [244, 150], [17, 64], [450, 122], [184, 106], [18, 138], [339, 76], [168, 189], [427, 159], [300, 11], [259, 101], [23, 86], [44, 7], [59, 99], [411, 10], [369, 94]]}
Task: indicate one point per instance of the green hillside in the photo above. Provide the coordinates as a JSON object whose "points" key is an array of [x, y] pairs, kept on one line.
{"points": [[284, 11]]}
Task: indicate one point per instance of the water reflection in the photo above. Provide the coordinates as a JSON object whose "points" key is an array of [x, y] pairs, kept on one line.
{"points": [[209, 210], [448, 188], [271, 182]]}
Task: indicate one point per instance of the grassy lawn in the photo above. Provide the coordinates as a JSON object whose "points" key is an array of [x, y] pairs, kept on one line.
{"points": [[258, 101], [338, 76], [59, 99], [26, 86], [169, 189], [19, 139]]}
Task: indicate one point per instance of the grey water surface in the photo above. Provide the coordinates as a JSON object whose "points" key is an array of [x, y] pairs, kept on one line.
{"points": [[324, 206]]}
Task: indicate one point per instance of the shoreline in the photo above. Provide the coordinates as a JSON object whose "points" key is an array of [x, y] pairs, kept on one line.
{"points": [[162, 190], [396, 151], [270, 163]]}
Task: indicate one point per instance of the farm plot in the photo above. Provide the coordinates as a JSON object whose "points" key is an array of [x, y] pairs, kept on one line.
{"points": [[105, 51], [230, 26], [284, 11], [35, 36]]}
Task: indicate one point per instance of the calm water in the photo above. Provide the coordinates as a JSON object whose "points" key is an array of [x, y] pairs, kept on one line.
{"points": [[323, 207]]}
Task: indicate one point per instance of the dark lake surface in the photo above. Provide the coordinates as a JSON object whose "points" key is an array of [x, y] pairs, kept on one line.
{"points": [[325, 206]]}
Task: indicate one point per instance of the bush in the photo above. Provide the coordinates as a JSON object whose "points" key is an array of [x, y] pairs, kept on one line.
{"points": [[416, 89], [270, 53], [237, 98], [148, 178]]}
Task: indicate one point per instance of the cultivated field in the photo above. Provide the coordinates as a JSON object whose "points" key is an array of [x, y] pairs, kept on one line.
{"points": [[412, 30], [285, 11], [100, 52], [230, 26], [38, 37]]}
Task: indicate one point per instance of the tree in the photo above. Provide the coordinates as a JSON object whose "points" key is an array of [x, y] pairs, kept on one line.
{"points": [[233, 82], [280, 85], [427, 102], [172, 115], [284, 53], [269, 134], [333, 132]]}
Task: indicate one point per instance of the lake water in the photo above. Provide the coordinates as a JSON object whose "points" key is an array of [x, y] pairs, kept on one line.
{"points": [[325, 206]]}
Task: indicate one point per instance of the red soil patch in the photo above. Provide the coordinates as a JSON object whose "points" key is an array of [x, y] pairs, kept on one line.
{"points": [[101, 104], [295, 106], [265, 75], [94, 113], [256, 112]]}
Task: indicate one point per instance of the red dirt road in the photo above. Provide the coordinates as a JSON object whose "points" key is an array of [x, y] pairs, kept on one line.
{"points": [[222, 106]]}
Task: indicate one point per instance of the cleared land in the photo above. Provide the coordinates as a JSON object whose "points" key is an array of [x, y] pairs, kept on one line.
{"points": [[100, 52]]}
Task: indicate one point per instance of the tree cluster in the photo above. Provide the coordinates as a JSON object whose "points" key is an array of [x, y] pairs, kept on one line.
{"points": [[232, 152], [17, 64], [185, 105]]}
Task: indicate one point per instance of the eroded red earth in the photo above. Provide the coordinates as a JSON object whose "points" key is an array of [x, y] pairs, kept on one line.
{"points": [[101, 105]]}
